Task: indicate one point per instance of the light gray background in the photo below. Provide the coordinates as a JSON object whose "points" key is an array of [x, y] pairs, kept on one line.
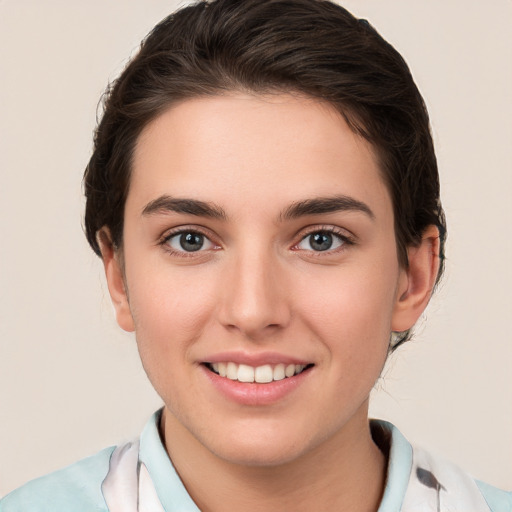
{"points": [[70, 380]]}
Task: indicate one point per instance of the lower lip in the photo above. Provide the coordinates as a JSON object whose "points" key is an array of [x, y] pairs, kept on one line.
{"points": [[253, 393]]}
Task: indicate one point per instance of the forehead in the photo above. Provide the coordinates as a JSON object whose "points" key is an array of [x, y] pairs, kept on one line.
{"points": [[248, 148]]}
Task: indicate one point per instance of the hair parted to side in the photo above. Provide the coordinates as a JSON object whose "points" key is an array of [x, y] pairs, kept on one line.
{"points": [[311, 47]]}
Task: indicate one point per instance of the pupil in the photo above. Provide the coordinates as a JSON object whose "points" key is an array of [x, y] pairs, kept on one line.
{"points": [[321, 241], [191, 241]]}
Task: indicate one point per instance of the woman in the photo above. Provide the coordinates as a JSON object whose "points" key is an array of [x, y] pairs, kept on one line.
{"points": [[264, 196]]}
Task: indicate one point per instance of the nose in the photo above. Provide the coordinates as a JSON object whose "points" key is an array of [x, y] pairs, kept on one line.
{"points": [[256, 300]]}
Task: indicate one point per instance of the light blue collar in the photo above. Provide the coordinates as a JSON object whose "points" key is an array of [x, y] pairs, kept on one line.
{"points": [[399, 464], [175, 498], [168, 485]]}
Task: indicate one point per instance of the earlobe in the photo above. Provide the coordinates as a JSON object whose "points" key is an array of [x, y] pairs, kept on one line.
{"points": [[417, 282], [115, 280]]}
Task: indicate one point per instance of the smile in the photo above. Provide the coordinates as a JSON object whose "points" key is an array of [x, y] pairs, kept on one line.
{"points": [[259, 374]]}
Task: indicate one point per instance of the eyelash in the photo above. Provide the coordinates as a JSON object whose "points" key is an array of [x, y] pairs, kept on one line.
{"points": [[346, 240], [164, 242]]}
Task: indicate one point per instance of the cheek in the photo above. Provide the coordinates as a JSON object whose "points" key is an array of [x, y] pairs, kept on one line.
{"points": [[351, 310], [170, 313], [170, 310], [353, 294]]}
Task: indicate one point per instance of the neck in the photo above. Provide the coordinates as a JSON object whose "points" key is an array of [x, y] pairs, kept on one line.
{"points": [[344, 473]]}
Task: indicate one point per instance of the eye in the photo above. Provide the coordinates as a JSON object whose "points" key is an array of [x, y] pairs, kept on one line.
{"points": [[319, 241], [189, 241]]}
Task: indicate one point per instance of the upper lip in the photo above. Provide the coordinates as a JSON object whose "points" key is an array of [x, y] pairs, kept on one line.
{"points": [[254, 359]]}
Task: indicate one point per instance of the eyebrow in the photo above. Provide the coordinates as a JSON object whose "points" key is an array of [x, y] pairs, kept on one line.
{"points": [[320, 205], [167, 203], [312, 206]]}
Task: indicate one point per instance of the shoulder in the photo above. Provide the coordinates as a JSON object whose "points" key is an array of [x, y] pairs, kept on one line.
{"points": [[418, 481], [497, 499], [443, 483], [76, 487]]}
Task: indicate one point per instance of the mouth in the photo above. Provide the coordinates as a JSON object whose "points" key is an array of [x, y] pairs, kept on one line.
{"points": [[263, 374]]}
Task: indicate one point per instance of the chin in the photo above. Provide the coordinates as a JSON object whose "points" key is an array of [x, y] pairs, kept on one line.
{"points": [[260, 454], [265, 446]]}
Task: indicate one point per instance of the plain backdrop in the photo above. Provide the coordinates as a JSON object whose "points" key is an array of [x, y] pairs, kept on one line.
{"points": [[70, 379]]}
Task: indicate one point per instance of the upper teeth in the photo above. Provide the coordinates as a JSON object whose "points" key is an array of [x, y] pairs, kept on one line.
{"points": [[260, 374]]}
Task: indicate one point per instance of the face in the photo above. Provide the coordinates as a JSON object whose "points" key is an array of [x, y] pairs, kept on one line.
{"points": [[261, 273]]}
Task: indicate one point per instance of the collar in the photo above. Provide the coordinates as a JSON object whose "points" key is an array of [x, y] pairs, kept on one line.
{"points": [[174, 497]]}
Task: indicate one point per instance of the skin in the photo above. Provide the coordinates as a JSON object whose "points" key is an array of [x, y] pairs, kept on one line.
{"points": [[259, 287]]}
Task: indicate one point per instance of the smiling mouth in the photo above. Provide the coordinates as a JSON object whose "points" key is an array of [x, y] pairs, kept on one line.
{"points": [[259, 374]]}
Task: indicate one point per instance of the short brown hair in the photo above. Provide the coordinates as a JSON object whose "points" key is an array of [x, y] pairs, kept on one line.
{"points": [[313, 47]]}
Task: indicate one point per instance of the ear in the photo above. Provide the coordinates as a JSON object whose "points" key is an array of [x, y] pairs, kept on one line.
{"points": [[115, 279], [417, 282]]}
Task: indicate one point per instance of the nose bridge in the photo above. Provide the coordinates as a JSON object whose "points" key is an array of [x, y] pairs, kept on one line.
{"points": [[254, 299]]}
